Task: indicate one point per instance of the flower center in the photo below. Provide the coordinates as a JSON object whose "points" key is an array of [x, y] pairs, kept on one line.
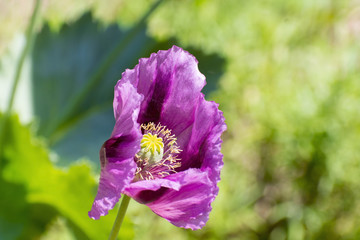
{"points": [[152, 148], [157, 157]]}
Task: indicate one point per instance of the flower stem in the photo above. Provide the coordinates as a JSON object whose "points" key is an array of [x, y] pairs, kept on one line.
{"points": [[120, 217], [28, 44]]}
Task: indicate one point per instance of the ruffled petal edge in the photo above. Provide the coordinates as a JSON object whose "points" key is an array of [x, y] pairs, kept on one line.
{"points": [[190, 205], [117, 153]]}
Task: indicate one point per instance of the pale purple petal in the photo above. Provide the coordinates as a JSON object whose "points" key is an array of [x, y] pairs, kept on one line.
{"points": [[201, 142], [212, 160], [126, 109], [187, 81], [117, 153], [113, 177], [170, 82], [149, 190], [188, 207]]}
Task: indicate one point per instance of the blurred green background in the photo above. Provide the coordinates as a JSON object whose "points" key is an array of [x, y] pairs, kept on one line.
{"points": [[285, 73]]}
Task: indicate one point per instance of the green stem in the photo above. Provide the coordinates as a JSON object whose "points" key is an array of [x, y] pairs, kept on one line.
{"points": [[29, 38], [119, 218], [27, 47]]}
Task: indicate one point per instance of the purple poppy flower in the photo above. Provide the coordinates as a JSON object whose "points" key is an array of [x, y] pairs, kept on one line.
{"points": [[164, 150]]}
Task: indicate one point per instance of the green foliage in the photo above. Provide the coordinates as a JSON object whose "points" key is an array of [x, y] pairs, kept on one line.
{"points": [[43, 191], [77, 68]]}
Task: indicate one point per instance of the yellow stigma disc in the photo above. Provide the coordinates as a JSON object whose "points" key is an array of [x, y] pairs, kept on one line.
{"points": [[152, 143]]}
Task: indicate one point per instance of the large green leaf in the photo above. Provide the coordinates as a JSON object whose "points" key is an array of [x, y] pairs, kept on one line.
{"points": [[13, 212], [74, 73], [70, 192]]}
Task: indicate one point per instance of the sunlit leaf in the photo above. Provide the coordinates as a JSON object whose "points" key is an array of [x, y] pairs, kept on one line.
{"points": [[12, 205], [68, 191], [73, 83]]}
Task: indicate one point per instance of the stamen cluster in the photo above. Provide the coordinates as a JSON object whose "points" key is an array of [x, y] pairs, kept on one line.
{"points": [[150, 166]]}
